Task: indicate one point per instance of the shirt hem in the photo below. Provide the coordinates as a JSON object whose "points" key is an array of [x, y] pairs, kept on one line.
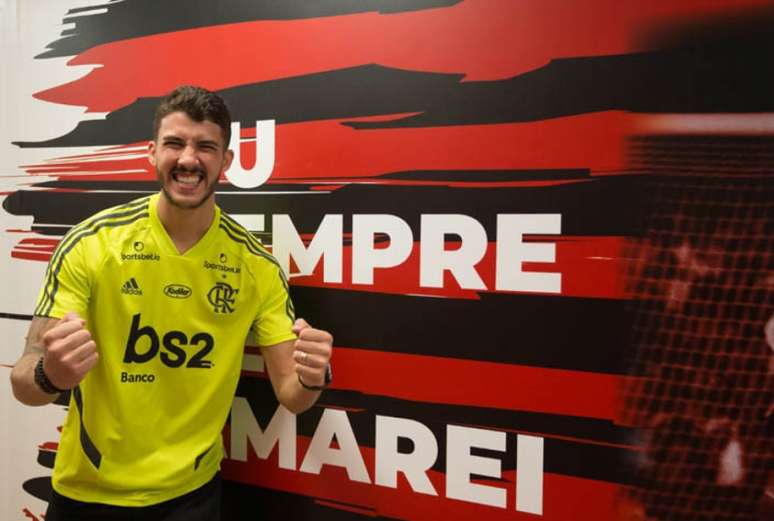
{"points": [[125, 501]]}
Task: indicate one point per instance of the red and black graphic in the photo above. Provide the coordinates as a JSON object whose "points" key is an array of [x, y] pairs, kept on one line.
{"points": [[703, 352], [492, 233]]}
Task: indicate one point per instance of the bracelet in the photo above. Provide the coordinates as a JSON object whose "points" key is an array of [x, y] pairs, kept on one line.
{"points": [[328, 380], [42, 380]]}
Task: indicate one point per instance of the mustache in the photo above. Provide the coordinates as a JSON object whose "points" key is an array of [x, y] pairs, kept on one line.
{"points": [[184, 170]]}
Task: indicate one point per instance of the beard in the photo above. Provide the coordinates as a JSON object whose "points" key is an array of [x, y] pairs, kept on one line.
{"points": [[177, 202]]}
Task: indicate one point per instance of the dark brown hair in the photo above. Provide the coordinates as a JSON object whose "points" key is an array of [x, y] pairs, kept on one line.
{"points": [[199, 104]]}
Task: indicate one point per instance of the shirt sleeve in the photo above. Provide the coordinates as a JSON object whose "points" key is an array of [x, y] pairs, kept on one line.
{"points": [[67, 284], [274, 320]]}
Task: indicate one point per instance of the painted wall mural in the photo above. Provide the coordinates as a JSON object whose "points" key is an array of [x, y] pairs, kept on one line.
{"points": [[540, 230]]}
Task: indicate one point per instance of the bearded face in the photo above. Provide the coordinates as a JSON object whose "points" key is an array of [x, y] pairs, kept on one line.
{"points": [[188, 157]]}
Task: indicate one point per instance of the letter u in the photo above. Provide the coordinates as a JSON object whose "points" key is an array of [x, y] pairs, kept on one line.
{"points": [[264, 155]]}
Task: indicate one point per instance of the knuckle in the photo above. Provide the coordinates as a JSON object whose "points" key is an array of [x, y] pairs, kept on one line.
{"points": [[48, 337]]}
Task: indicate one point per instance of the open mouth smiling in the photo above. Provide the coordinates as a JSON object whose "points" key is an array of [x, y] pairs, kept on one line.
{"points": [[188, 178]]}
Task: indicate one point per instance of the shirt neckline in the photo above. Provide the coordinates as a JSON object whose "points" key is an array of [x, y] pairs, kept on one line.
{"points": [[167, 246]]}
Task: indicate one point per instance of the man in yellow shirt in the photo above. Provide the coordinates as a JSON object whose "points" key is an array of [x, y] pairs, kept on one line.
{"points": [[143, 316]]}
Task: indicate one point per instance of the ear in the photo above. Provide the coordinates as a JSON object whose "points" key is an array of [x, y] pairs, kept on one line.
{"points": [[228, 157], [152, 152]]}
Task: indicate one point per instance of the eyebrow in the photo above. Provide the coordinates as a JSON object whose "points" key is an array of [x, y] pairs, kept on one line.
{"points": [[176, 139]]}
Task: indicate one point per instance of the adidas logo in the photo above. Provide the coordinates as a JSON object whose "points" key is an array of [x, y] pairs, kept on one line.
{"points": [[131, 287]]}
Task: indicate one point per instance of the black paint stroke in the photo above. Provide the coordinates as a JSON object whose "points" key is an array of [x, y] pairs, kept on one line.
{"points": [[137, 18], [731, 75], [572, 333], [602, 206]]}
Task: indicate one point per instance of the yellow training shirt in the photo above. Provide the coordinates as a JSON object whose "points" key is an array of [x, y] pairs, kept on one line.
{"points": [[145, 424]]}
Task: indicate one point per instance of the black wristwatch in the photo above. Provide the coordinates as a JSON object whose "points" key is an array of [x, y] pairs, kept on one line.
{"points": [[328, 380], [42, 380]]}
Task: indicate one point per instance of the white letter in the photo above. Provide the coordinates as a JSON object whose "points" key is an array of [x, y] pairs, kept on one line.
{"points": [[460, 464], [529, 474], [282, 428], [335, 423], [327, 243], [366, 257], [414, 464], [434, 258], [511, 252], [264, 156]]}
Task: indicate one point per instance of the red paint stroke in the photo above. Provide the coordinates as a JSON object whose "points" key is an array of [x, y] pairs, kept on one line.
{"points": [[324, 149], [29, 515], [481, 39], [590, 267], [347, 508], [453, 381], [31, 256], [564, 497], [456, 184], [36, 249]]}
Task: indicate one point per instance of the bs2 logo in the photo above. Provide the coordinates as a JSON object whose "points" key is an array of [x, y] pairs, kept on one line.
{"points": [[173, 342]]}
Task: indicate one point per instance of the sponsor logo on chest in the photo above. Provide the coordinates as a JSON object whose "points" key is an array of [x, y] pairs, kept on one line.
{"points": [[138, 253]]}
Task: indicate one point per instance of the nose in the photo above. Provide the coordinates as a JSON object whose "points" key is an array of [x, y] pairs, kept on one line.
{"points": [[188, 158]]}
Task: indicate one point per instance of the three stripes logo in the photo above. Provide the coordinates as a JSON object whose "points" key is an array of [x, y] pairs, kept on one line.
{"points": [[131, 287]]}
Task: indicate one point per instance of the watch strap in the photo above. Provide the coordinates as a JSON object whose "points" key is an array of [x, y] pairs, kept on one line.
{"points": [[41, 379], [328, 380]]}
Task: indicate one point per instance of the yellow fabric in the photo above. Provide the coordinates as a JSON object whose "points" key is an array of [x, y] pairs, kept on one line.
{"points": [[128, 440]]}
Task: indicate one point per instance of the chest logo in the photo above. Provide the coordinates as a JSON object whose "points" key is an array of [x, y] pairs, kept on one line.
{"points": [[222, 297], [145, 343], [177, 291], [131, 287]]}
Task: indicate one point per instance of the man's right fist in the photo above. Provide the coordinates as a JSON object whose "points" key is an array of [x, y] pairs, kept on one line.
{"points": [[70, 352]]}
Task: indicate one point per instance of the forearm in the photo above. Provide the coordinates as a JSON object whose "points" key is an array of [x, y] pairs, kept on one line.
{"points": [[23, 382], [294, 396]]}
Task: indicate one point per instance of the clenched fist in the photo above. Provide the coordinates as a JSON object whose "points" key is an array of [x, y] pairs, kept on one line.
{"points": [[70, 352], [312, 353]]}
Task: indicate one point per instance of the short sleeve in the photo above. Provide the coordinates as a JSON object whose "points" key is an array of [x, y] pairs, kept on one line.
{"points": [[67, 285], [274, 320]]}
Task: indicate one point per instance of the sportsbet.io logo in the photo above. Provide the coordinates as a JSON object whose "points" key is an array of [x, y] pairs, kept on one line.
{"points": [[222, 297], [138, 247]]}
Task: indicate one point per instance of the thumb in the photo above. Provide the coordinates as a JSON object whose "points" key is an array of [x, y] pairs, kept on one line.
{"points": [[299, 325]]}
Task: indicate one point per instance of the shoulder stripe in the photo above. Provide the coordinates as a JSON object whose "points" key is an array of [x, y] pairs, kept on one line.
{"points": [[114, 219], [108, 212], [116, 212], [73, 234], [242, 231], [239, 235]]}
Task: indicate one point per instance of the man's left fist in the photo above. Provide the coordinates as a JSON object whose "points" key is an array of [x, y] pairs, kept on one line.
{"points": [[312, 353]]}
